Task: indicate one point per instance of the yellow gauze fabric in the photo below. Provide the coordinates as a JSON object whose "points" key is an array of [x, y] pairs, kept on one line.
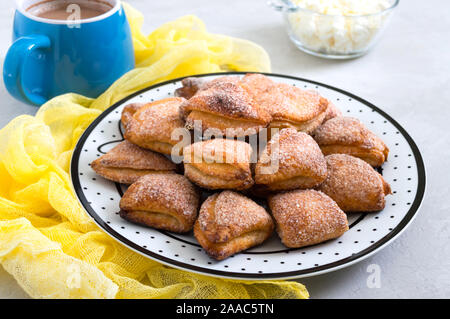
{"points": [[47, 241]]}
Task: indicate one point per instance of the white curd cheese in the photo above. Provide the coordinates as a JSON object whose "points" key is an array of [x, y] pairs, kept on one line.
{"points": [[337, 26]]}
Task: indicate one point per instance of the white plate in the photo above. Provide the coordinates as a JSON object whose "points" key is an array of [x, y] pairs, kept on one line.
{"points": [[368, 233]]}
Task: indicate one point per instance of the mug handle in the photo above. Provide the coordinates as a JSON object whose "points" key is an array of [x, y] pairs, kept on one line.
{"points": [[14, 73]]}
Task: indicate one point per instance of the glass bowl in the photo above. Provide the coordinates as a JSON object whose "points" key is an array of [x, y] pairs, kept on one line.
{"points": [[333, 36]]}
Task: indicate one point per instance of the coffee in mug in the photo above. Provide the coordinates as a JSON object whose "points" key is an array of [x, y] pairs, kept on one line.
{"points": [[64, 9]]}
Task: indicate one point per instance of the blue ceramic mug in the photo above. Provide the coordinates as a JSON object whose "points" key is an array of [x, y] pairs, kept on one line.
{"points": [[52, 57]]}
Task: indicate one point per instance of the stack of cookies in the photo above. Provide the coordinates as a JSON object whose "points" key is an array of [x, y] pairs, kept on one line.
{"points": [[269, 155]]}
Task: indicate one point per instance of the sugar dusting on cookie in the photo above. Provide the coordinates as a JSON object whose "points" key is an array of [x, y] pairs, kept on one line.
{"points": [[128, 155], [347, 131], [305, 217], [171, 191], [229, 99], [157, 120], [230, 214], [297, 154], [354, 184]]}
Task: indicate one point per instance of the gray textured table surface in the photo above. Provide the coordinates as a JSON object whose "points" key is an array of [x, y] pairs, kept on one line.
{"points": [[407, 75]]}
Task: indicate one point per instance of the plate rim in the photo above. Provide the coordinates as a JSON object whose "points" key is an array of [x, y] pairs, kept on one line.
{"points": [[342, 263]]}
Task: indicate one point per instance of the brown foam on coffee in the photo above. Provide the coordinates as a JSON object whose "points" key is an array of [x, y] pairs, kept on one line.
{"points": [[57, 9]]}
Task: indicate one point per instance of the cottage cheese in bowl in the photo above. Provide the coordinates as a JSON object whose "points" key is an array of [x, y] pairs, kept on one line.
{"points": [[337, 28]]}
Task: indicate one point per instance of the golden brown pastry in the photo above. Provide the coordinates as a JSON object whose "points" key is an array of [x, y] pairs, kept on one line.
{"points": [[126, 163], [288, 105], [229, 223], [150, 125], [253, 83], [227, 108], [291, 160], [306, 217], [257, 84], [128, 112], [192, 85], [347, 135], [219, 164], [162, 201], [354, 185]]}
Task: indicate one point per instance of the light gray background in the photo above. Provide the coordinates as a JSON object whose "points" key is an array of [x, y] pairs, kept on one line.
{"points": [[407, 75]]}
